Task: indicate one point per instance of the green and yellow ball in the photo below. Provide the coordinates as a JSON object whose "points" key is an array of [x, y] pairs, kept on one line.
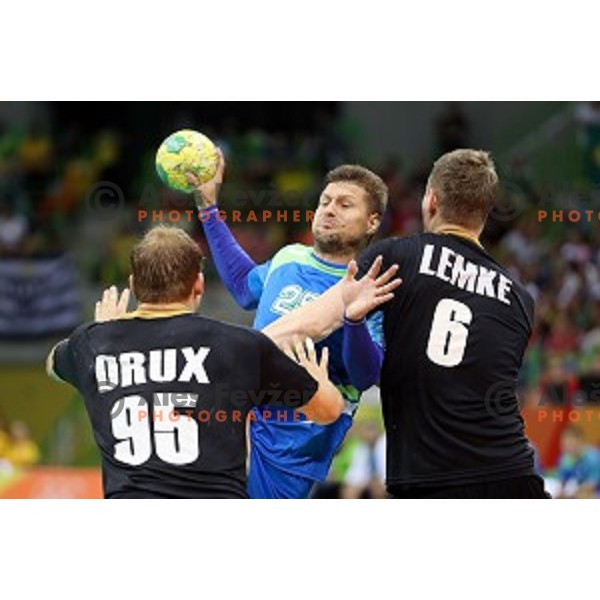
{"points": [[186, 151]]}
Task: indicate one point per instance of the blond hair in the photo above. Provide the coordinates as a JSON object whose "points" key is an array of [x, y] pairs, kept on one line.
{"points": [[165, 264], [465, 183]]}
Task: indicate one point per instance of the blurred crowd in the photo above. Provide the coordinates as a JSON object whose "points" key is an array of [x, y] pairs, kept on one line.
{"points": [[46, 174], [18, 450]]}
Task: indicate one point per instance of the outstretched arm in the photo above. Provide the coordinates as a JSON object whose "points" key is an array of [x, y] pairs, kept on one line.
{"points": [[233, 264], [324, 315]]}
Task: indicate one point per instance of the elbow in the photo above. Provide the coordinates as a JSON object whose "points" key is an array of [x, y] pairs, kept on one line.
{"points": [[367, 379], [364, 370], [243, 298], [246, 303], [327, 405], [365, 383]]}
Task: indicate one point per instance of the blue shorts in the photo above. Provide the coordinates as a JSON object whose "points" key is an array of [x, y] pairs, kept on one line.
{"points": [[267, 481]]}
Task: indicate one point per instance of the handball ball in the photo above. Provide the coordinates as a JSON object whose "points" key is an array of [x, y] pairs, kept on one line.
{"points": [[186, 151]]}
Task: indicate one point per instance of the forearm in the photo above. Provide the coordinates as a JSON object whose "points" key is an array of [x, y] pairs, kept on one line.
{"points": [[325, 406], [232, 263], [315, 320], [361, 355]]}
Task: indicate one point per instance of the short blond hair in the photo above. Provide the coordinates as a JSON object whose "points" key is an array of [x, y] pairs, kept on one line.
{"points": [[465, 183], [165, 263]]}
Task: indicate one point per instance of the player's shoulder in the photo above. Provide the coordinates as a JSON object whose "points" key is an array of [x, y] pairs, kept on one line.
{"points": [[234, 329], [524, 297], [517, 286], [291, 253], [188, 323], [240, 335], [299, 257], [524, 294], [82, 332], [394, 249], [91, 336]]}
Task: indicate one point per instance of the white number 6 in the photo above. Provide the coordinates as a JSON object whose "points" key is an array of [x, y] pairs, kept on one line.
{"points": [[448, 335]]}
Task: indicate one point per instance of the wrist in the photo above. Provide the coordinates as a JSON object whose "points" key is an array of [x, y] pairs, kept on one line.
{"points": [[211, 208], [202, 202], [350, 319]]}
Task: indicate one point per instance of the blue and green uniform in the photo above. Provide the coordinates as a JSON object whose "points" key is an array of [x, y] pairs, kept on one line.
{"points": [[288, 452]]}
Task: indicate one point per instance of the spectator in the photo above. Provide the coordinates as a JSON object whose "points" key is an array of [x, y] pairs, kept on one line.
{"points": [[4, 439], [563, 338], [13, 229], [23, 452], [365, 477], [579, 466], [591, 340]]}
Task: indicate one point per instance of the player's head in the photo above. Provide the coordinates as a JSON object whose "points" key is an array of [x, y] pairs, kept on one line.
{"points": [[166, 268], [461, 190], [350, 209]]}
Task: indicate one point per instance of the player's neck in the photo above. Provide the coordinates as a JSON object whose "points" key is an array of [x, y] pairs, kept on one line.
{"points": [[465, 232], [338, 258], [150, 307]]}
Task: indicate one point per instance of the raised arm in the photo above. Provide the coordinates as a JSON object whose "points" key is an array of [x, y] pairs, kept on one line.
{"points": [[322, 316], [240, 274]]}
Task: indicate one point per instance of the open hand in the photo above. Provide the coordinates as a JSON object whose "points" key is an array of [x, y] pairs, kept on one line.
{"points": [[361, 296], [304, 353], [111, 307], [207, 193]]}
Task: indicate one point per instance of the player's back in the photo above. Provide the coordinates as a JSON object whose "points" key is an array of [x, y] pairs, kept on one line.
{"points": [[455, 335], [168, 400]]}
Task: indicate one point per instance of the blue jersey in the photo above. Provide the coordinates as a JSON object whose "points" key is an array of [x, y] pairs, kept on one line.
{"points": [[293, 277]]}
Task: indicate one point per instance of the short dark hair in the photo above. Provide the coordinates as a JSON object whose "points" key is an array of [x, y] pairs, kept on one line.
{"points": [[465, 183], [165, 264], [370, 182]]}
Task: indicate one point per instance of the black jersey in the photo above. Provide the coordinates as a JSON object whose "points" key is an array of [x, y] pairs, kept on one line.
{"points": [[168, 400], [455, 334]]}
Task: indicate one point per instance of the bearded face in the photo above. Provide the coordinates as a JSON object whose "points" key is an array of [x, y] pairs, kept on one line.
{"points": [[343, 220]]}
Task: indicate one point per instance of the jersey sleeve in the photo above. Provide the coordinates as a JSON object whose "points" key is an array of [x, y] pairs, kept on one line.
{"points": [[256, 282], [238, 271], [375, 327], [63, 364], [284, 381], [361, 354]]}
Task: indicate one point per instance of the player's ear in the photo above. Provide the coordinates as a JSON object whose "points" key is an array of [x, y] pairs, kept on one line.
{"points": [[199, 285], [373, 223], [433, 203]]}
